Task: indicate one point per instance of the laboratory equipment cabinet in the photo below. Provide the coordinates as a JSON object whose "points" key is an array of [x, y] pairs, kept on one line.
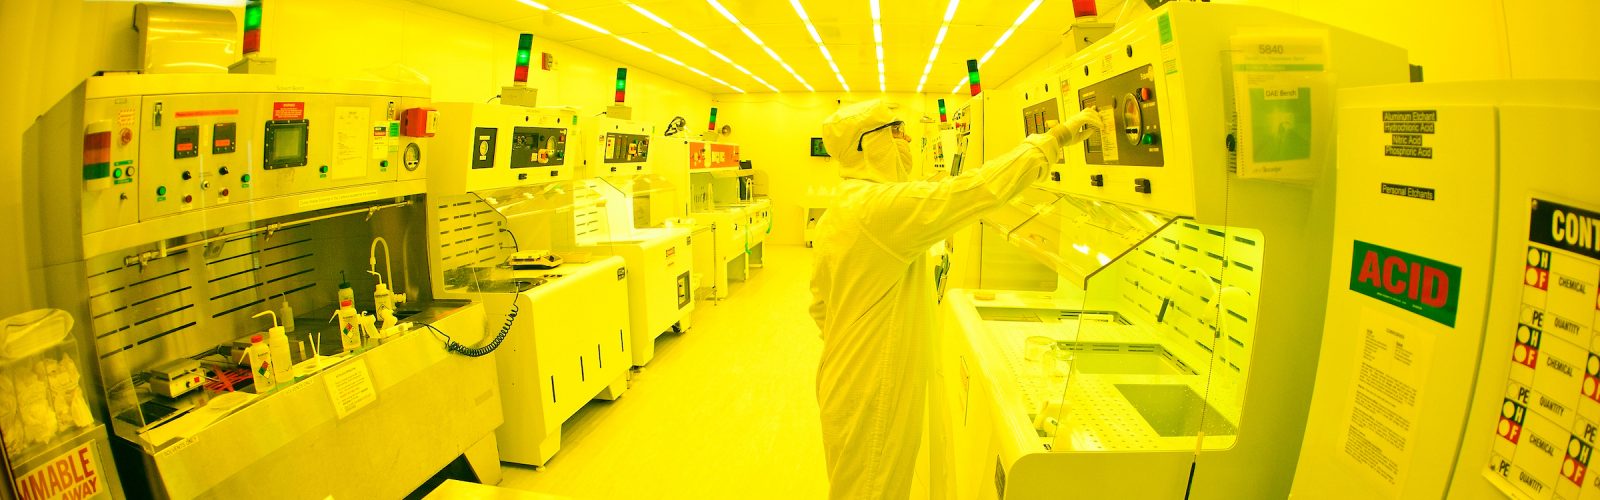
{"points": [[1459, 352], [1171, 358], [167, 212]]}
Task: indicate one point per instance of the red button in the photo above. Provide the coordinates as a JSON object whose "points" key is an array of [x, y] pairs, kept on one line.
{"points": [[224, 192], [1145, 93], [126, 136], [188, 198]]}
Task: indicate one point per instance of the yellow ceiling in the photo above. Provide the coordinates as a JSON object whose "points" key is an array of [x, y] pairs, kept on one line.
{"points": [[845, 27]]}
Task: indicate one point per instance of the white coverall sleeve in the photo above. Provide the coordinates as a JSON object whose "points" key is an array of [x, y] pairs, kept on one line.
{"points": [[914, 215]]}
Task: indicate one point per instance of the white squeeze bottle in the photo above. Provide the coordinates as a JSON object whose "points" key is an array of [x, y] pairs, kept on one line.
{"points": [[278, 349], [261, 365]]}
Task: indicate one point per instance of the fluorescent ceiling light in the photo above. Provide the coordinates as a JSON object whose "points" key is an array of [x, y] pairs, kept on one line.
{"points": [[630, 42], [663, 22], [877, 39], [752, 36], [801, 10], [1003, 37], [949, 13]]}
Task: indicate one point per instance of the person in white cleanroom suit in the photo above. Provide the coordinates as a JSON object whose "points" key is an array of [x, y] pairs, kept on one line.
{"points": [[873, 296]]}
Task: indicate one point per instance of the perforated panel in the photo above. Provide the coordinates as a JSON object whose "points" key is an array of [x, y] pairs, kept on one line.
{"points": [[467, 233], [1191, 264]]}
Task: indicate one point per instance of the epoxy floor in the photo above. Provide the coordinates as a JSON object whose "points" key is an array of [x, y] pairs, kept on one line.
{"points": [[726, 410]]}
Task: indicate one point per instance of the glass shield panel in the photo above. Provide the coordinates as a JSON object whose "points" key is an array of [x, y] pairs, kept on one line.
{"points": [[1073, 235], [652, 198], [1164, 362]]}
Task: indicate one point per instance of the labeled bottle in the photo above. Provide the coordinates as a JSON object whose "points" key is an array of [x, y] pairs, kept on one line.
{"points": [[261, 371], [278, 347], [349, 331]]}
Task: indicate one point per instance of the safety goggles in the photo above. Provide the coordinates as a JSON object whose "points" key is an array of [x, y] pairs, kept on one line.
{"points": [[894, 128]]}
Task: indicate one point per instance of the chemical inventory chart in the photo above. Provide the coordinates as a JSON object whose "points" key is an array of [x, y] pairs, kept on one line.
{"points": [[1550, 419]]}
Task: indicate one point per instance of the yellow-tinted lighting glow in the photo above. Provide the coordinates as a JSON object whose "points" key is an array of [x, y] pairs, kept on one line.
{"points": [[801, 11], [949, 13], [757, 40], [719, 55], [1026, 13], [637, 45]]}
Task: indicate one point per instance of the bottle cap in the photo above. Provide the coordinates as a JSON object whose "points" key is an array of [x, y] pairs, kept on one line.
{"points": [[255, 338]]}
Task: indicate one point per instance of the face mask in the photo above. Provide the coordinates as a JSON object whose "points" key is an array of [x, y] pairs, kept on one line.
{"points": [[904, 160]]}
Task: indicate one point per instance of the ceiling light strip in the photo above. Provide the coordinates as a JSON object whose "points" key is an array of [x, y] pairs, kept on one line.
{"points": [[753, 38], [663, 22], [597, 29], [1026, 13], [815, 37], [877, 39], [944, 28]]}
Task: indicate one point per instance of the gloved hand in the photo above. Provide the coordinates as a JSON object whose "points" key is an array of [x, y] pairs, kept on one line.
{"points": [[1077, 128]]}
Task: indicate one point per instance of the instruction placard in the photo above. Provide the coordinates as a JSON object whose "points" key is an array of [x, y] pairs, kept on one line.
{"points": [[350, 386], [1391, 374], [1549, 419], [1283, 97]]}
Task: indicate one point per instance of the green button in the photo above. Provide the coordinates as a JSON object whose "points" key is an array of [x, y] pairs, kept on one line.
{"points": [[324, 169], [245, 178], [116, 173], [161, 191], [383, 163], [1147, 139]]}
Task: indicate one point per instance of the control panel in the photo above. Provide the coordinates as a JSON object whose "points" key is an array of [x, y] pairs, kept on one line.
{"points": [[1036, 117], [621, 147], [149, 155], [1131, 120], [482, 147]]}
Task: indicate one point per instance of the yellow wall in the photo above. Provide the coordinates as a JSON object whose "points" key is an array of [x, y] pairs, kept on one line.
{"points": [[774, 132], [54, 44]]}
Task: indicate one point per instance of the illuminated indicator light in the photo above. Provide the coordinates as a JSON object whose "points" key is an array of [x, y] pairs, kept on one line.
{"points": [[942, 117], [161, 190], [713, 119], [1083, 8], [245, 178], [116, 173], [96, 155], [252, 26], [972, 77], [622, 84], [524, 49]]}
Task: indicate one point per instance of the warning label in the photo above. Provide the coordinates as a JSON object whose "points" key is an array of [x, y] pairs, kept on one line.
{"points": [[288, 110]]}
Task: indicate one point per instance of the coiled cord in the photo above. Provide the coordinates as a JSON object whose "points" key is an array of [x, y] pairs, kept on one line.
{"points": [[451, 345]]}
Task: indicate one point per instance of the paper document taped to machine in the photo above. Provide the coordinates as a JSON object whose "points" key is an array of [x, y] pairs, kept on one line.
{"points": [[351, 143], [1382, 406]]}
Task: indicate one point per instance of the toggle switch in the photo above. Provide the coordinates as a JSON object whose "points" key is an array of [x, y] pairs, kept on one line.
{"points": [[1097, 180]]}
